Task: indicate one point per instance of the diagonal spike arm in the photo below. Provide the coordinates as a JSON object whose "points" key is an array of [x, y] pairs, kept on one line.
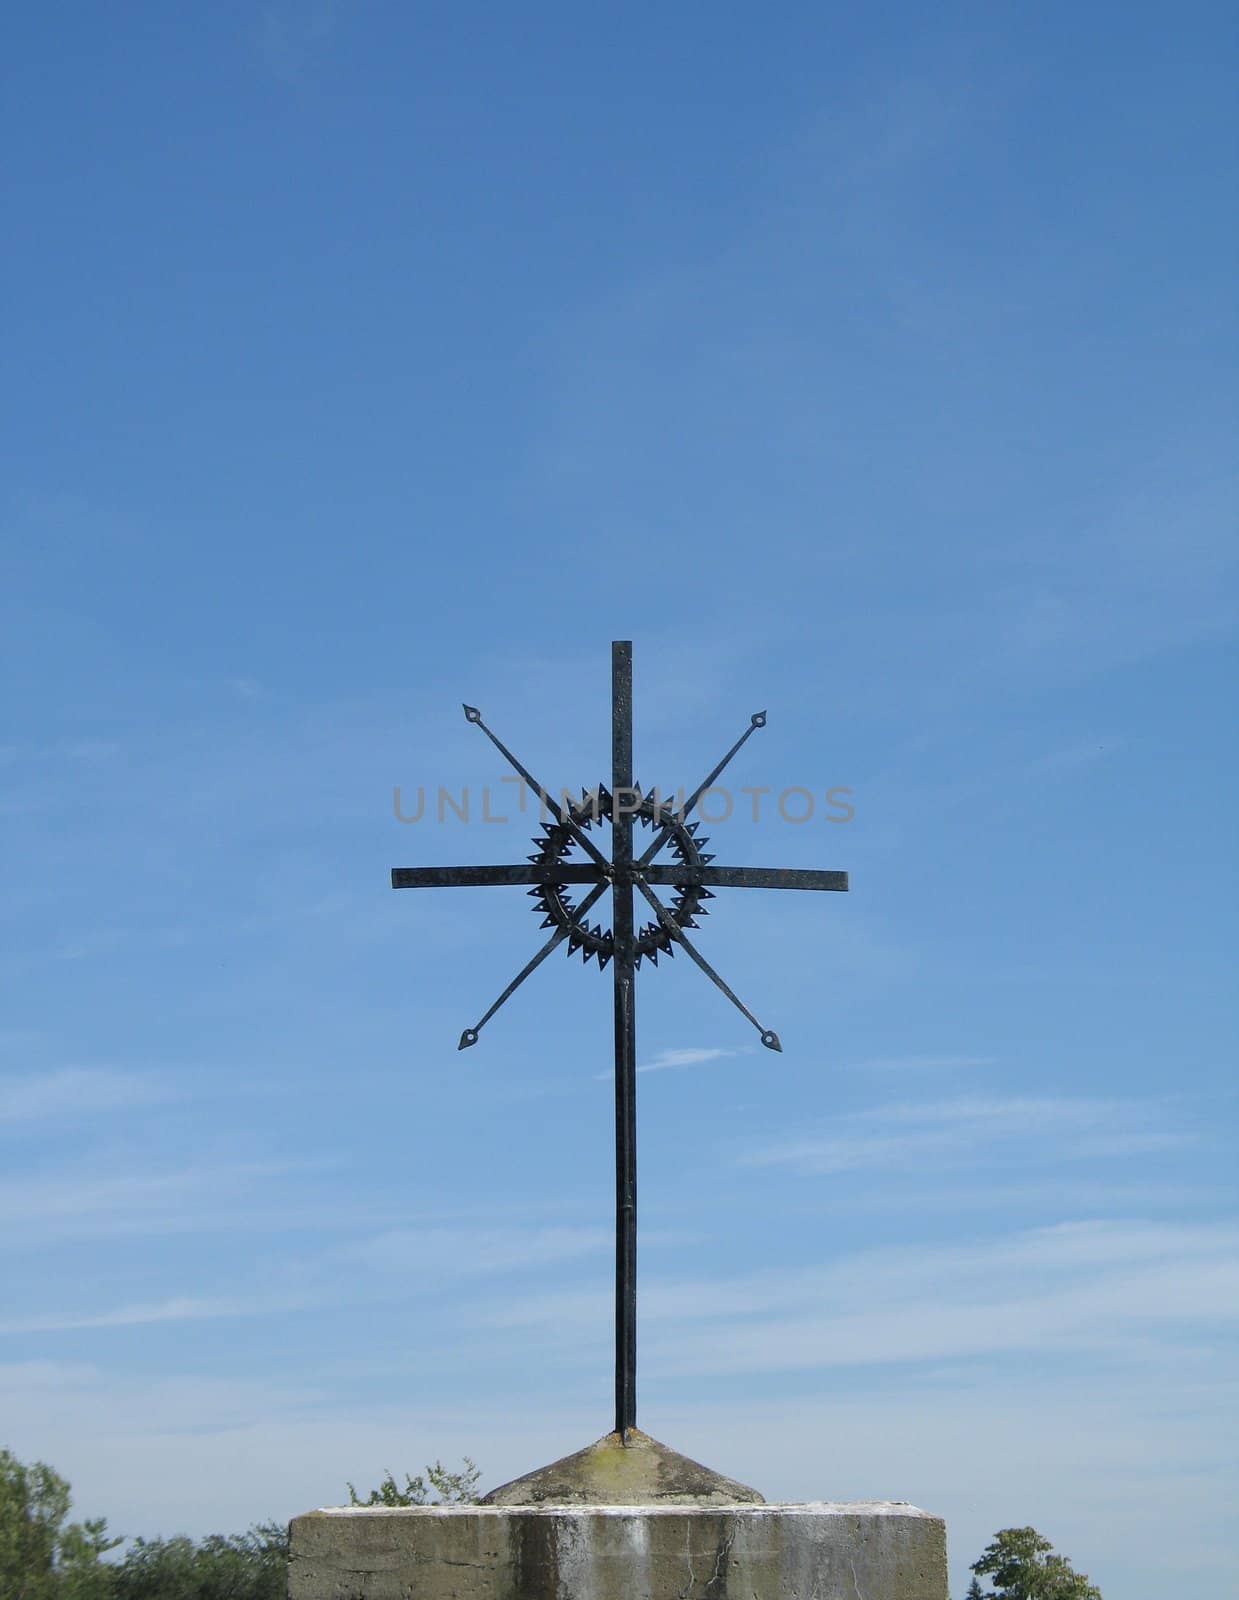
{"points": [[768, 1036], [472, 714], [470, 1035], [757, 720]]}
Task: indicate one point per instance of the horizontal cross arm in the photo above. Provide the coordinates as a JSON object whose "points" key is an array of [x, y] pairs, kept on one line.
{"points": [[744, 877], [474, 877]]}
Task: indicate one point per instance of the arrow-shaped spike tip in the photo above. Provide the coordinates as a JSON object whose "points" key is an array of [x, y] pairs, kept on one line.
{"points": [[472, 714], [468, 1037], [771, 1040]]}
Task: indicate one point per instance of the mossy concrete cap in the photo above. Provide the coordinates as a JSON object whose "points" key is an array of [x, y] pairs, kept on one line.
{"points": [[614, 1471]]}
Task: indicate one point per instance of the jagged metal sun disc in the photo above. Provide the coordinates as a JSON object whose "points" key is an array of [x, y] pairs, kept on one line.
{"points": [[556, 908]]}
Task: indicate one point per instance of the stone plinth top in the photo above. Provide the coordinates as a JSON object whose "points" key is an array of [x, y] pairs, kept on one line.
{"points": [[868, 1550], [767, 1508], [618, 1471]]}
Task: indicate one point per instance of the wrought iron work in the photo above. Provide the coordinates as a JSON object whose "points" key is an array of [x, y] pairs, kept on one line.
{"points": [[551, 874]]}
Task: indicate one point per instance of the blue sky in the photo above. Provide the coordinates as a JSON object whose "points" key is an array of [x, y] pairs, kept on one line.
{"points": [[870, 365]]}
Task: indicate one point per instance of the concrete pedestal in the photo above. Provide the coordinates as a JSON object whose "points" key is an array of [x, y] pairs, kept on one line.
{"points": [[870, 1550]]}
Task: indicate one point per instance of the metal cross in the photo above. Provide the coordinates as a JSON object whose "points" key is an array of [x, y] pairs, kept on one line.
{"points": [[552, 871]]}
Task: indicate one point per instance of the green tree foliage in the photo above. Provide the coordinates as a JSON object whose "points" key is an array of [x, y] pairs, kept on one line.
{"points": [[45, 1557], [42, 1555], [437, 1486], [1023, 1566], [975, 1591], [242, 1566]]}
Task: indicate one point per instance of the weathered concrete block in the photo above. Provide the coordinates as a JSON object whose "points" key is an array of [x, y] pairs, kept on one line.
{"points": [[870, 1550]]}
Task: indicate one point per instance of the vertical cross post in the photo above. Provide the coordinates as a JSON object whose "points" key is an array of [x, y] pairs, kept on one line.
{"points": [[625, 1041], [546, 874]]}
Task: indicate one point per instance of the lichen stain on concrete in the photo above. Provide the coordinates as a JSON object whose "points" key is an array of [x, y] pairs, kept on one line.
{"points": [[574, 1567], [636, 1542], [617, 1471]]}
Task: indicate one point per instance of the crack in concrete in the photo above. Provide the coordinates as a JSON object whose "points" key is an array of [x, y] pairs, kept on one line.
{"points": [[720, 1560], [687, 1590]]}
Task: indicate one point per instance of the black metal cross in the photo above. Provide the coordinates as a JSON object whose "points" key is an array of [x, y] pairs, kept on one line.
{"points": [[552, 871]]}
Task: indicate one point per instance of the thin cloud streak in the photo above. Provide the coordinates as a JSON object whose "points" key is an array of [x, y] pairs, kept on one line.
{"points": [[667, 1060], [448, 1251], [945, 1132], [1104, 1317], [177, 1309], [79, 1091], [919, 1063], [1083, 1288], [92, 1197]]}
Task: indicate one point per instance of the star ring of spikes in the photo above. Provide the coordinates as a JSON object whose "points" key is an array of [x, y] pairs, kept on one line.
{"points": [[552, 879]]}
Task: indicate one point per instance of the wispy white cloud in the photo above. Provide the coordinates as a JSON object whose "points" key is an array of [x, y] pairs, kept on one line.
{"points": [[92, 1197], [1071, 757], [79, 1091], [181, 1308], [1104, 1316], [1080, 1288], [945, 1132], [90, 750], [1039, 1192], [668, 1059], [469, 1250], [919, 1063], [27, 1377], [682, 1058], [105, 941]]}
